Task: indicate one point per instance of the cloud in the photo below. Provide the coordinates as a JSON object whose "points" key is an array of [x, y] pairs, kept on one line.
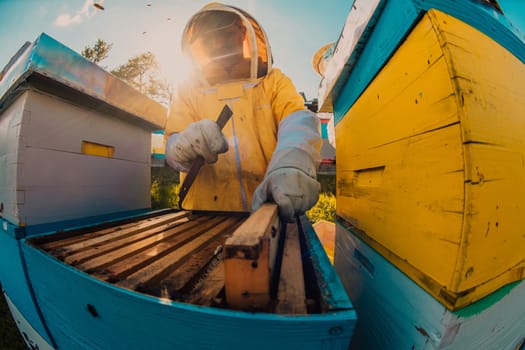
{"points": [[87, 11]]}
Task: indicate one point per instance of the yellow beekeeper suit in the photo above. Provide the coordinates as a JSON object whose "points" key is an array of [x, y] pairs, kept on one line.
{"points": [[261, 97]]}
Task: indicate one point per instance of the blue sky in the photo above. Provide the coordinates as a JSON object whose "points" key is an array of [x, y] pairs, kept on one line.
{"points": [[296, 29]]}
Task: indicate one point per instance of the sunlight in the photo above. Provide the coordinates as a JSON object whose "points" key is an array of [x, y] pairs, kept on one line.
{"points": [[182, 67], [164, 41]]}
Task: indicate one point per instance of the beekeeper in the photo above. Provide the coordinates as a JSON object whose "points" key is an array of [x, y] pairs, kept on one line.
{"points": [[269, 150]]}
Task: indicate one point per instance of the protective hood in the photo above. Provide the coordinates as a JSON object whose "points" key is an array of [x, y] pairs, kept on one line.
{"points": [[225, 44]]}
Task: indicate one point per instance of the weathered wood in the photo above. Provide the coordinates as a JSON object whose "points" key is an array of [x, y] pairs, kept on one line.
{"points": [[153, 244], [104, 251], [120, 269], [207, 289], [167, 263], [291, 293], [190, 271], [64, 238], [196, 266], [115, 234], [249, 260]]}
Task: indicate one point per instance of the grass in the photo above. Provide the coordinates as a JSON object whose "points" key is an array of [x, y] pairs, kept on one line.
{"points": [[165, 189], [323, 210], [10, 338]]}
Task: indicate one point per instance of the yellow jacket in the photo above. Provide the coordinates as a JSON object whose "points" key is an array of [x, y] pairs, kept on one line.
{"points": [[259, 105]]}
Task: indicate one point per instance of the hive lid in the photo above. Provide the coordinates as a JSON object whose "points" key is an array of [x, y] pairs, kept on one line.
{"points": [[50, 66]]}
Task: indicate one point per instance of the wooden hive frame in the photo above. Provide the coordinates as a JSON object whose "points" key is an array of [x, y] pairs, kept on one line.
{"points": [[225, 260], [260, 262]]}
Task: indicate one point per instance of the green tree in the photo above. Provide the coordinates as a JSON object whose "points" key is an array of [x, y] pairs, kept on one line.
{"points": [[97, 52], [142, 72]]}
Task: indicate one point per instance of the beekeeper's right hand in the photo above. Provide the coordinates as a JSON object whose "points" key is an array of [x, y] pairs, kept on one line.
{"points": [[203, 138]]}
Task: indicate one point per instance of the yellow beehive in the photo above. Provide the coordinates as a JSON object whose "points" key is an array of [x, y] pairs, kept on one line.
{"points": [[433, 164]]}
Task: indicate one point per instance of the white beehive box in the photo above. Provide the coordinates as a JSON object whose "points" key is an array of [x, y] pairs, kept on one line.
{"points": [[74, 140]]}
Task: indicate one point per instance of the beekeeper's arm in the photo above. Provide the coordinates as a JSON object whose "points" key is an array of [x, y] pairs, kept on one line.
{"points": [[290, 179]]}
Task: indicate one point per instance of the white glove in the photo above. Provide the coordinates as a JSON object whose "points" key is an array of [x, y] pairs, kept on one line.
{"points": [[202, 138], [291, 189]]}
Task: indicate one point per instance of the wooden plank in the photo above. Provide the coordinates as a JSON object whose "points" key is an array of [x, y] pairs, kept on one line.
{"points": [[107, 247], [325, 231], [159, 268], [196, 266], [207, 289], [249, 259], [291, 293], [130, 262], [188, 273], [112, 235], [64, 238], [151, 245]]}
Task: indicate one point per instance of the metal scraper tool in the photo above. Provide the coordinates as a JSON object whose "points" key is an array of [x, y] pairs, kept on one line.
{"points": [[197, 164]]}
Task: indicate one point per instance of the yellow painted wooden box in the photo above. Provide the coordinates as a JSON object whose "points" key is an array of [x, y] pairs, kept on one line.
{"points": [[432, 172]]}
